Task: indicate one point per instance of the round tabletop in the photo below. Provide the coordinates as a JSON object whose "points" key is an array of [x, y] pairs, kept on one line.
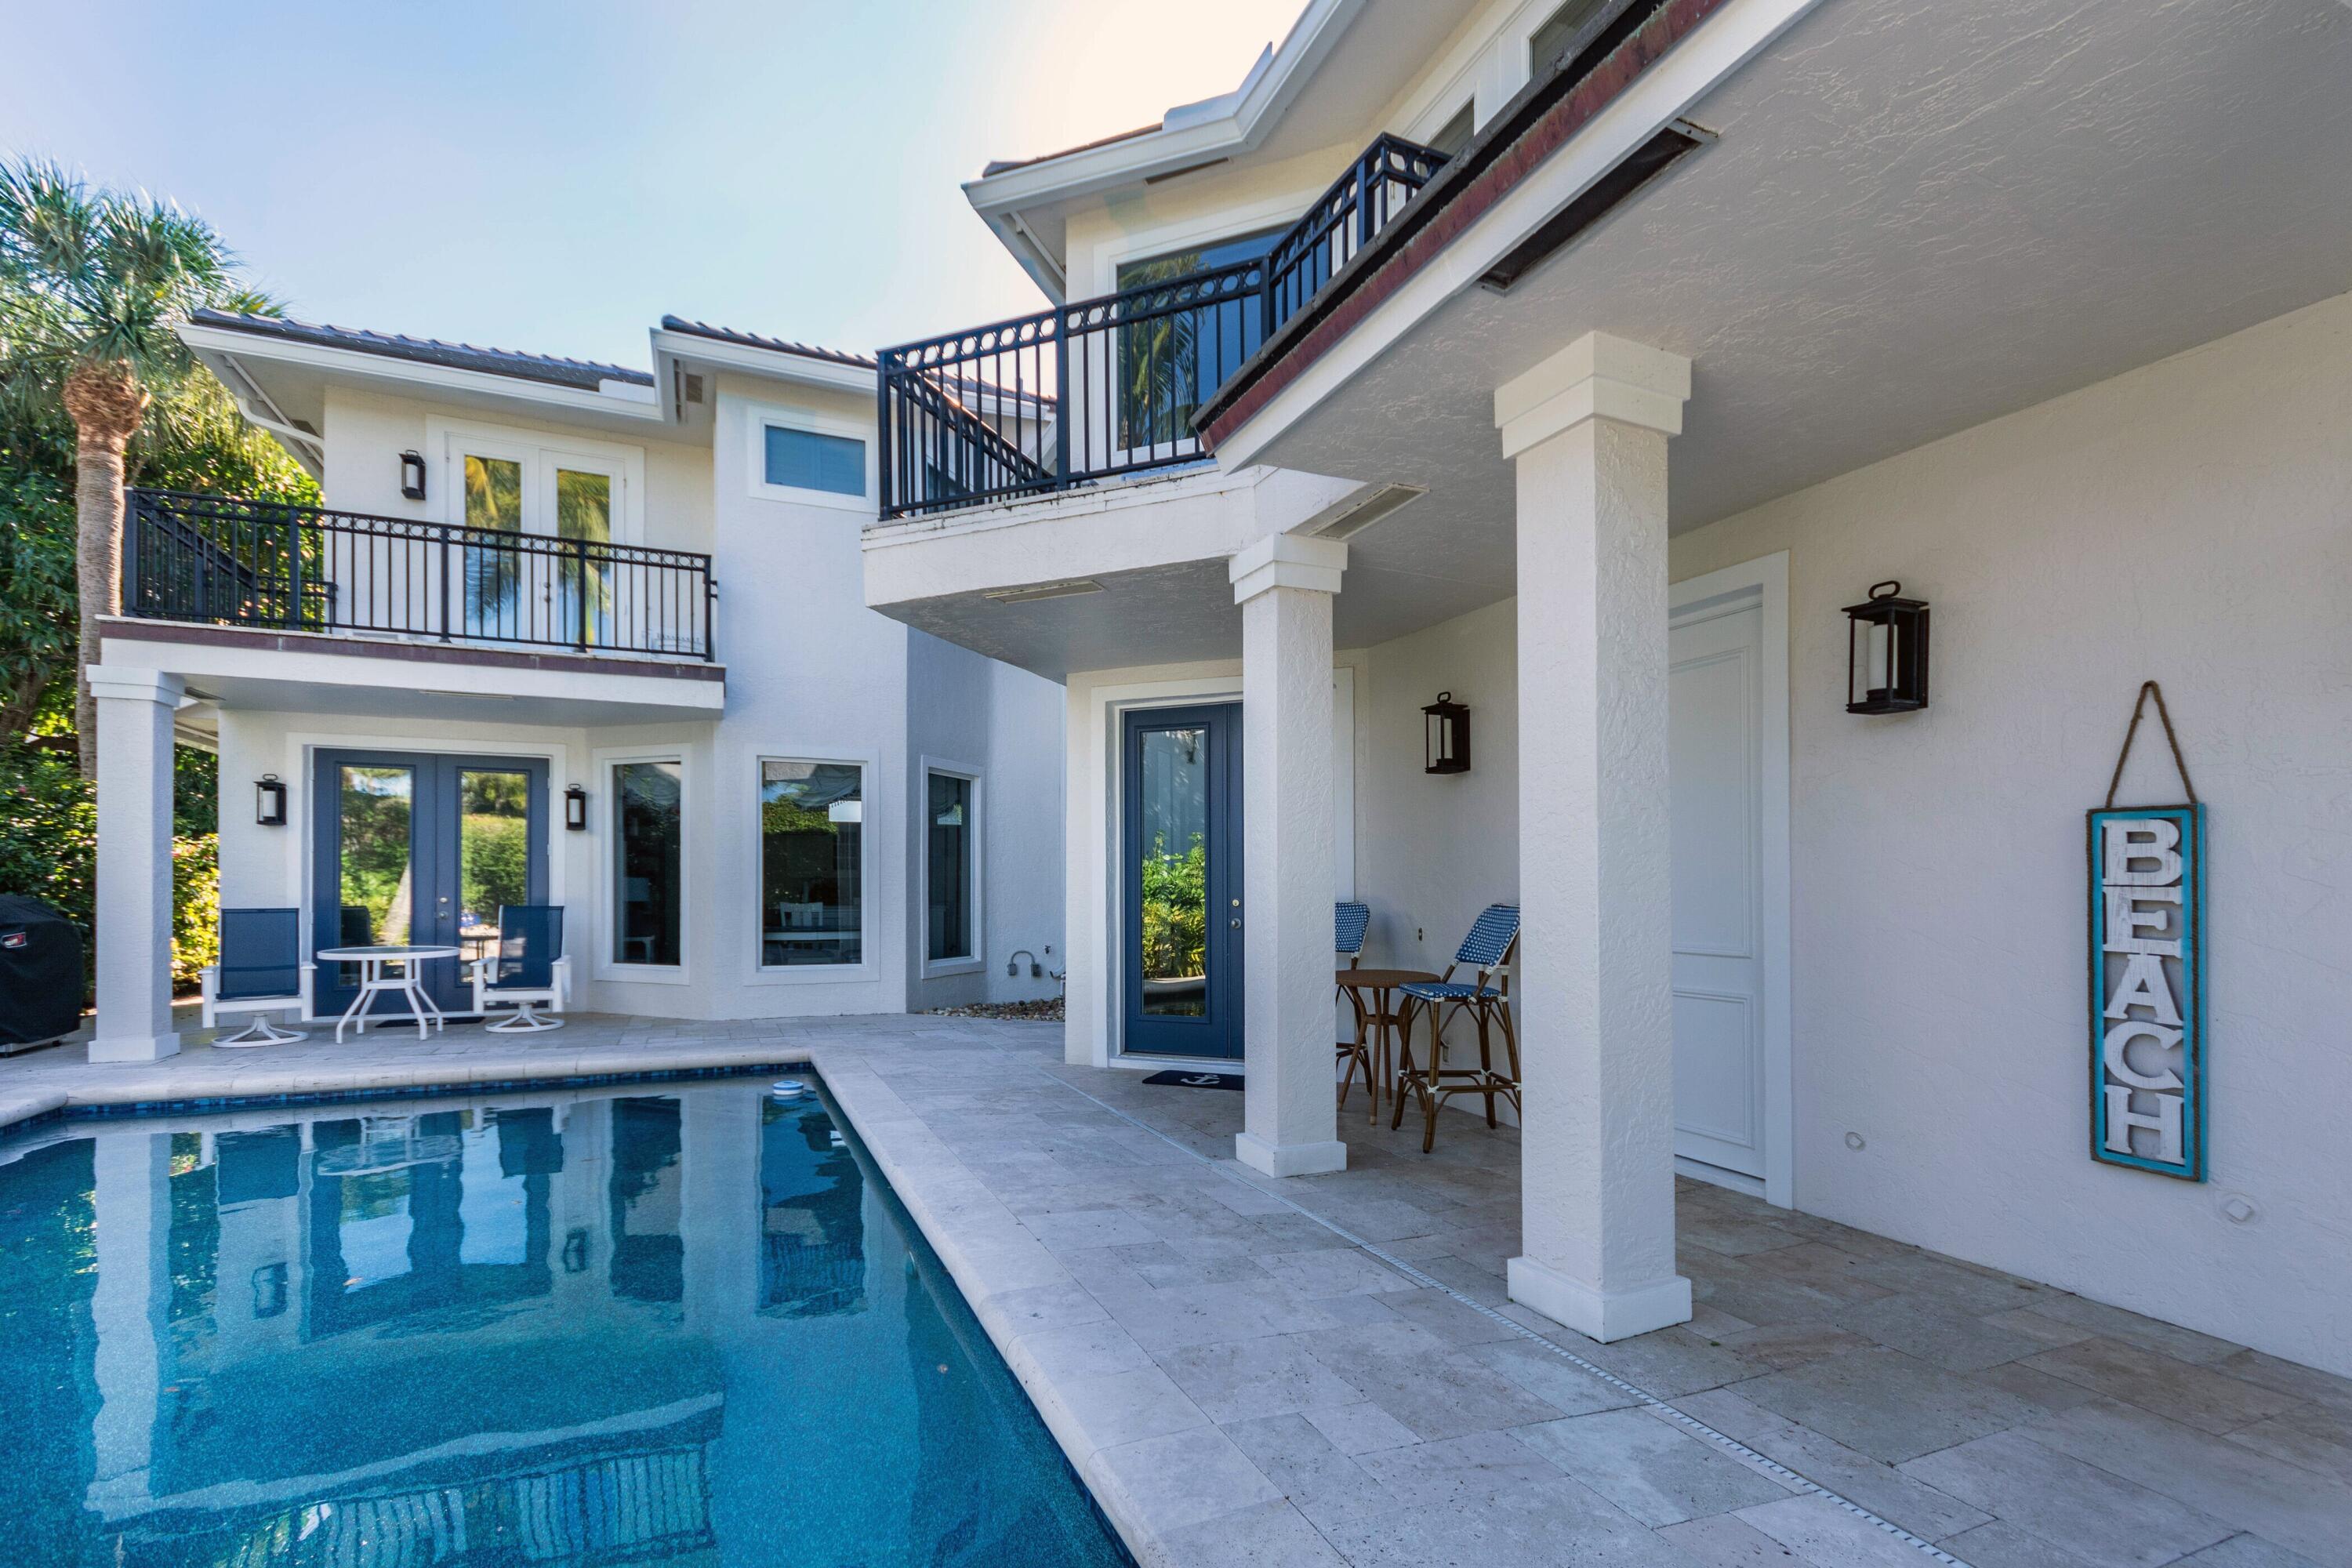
{"points": [[1382, 979], [357, 954]]}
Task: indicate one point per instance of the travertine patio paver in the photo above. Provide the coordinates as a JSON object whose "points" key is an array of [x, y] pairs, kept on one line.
{"points": [[1242, 1385]]}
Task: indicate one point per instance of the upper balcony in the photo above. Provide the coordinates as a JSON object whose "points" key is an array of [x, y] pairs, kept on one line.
{"points": [[220, 561], [1096, 389]]}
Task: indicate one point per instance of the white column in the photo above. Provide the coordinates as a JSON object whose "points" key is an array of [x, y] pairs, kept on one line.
{"points": [[134, 864], [1290, 1116], [1587, 430]]}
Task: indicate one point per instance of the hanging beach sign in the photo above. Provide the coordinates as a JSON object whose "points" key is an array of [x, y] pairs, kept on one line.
{"points": [[2147, 973]]}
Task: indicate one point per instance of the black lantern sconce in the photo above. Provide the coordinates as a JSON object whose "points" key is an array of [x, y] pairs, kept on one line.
{"points": [[269, 802], [1446, 736], [1887, 652], [575, 810], [412, 475]]}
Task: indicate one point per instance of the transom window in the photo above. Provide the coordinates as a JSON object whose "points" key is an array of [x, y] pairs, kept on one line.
{"points": [[811, 460]]}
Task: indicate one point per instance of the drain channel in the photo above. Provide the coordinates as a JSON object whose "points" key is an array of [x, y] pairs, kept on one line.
{"points": [[1643, 1396]]}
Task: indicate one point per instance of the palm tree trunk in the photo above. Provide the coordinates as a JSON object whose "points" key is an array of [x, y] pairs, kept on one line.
{"points": [[106, 402]]}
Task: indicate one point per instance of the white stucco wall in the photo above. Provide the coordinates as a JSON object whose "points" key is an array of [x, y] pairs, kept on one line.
{"points": [[2186, 522], [366, 432]]}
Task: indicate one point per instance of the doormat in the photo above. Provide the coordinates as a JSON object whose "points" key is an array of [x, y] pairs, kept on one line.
{"points": [[1197, 1079]]}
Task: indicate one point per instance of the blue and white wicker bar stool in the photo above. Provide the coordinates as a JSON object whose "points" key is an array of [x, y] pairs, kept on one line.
{"points": [[1349, 922], [1487, 951]]}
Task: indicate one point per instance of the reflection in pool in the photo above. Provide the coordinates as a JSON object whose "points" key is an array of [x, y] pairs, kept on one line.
{"points": [[686, 1325]]}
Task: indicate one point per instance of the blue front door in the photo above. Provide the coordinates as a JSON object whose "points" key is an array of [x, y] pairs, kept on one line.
{"points": [[420, 850], [1181, 859]]}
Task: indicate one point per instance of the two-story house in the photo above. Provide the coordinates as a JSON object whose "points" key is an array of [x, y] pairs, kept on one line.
{"points": [[1657, 381], [580, 634]]}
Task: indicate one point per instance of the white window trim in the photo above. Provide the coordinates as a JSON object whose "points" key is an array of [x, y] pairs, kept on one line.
{"points": [[606, 834], [538, 450], [766, 974], [758, 416], [975, 961]]}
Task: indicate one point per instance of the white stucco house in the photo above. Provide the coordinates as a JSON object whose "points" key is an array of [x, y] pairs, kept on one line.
{"points": [[1586, 367], [751, 796], [1585, 363]]}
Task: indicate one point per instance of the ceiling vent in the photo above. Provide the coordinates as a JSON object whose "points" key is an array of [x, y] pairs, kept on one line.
{"points": [[1068, 587], [694, 389], [1361, 510], [1638, 168]]}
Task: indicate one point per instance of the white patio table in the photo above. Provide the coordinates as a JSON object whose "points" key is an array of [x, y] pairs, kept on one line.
{"points": [[374, 982]]}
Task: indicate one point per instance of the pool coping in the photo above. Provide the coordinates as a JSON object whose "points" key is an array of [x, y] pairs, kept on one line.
{"points": [[1012, 1284]]}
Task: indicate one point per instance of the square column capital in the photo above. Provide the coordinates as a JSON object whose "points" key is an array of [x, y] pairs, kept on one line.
{"points": [[135, 684], [1596, 377], [1287, 560]]}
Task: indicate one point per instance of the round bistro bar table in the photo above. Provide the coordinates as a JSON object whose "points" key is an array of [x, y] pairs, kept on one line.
{"points": [[1381, 1016], [374, 982]]}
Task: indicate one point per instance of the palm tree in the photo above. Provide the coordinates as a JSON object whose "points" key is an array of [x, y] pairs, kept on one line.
{"points": [[93, 284]]}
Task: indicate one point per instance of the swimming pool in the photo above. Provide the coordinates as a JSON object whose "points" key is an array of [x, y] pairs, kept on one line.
{"points": [[660, 1324]]}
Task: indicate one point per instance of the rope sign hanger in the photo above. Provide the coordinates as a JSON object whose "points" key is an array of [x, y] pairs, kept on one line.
{"points": [[2149, 688]]}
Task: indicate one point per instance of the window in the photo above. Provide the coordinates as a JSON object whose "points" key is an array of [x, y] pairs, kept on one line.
{"points": [[947, 870], [648, 890], [1456, 133], [811, 864], [1551, 40], [1170, 363], [809, 460]]}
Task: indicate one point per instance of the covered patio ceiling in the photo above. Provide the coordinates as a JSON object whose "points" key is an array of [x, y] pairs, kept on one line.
{"points": [[1916, 218], [1913, 219]]}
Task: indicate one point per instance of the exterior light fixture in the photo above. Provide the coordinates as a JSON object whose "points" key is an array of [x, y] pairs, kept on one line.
{"points": [[412, 475], [575, 810], [269, 802], [1887, 652], [1446, 736]]}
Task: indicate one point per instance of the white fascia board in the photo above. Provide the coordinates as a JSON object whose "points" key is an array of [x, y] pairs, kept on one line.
{"points": [[1659, 96], [1189, 134], [640, 403], [774, 365]]}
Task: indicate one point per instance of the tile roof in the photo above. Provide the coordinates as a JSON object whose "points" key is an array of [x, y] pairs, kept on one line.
{"points": [[584, 374], [761, 340]]}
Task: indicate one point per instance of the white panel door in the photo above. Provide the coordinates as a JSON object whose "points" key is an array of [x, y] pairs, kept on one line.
{"points": [[1715, 699]]}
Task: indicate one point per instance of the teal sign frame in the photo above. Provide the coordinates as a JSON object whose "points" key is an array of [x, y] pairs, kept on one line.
{"points": [[2147, 958]]}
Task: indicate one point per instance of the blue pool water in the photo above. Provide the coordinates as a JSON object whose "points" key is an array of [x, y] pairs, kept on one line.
{"points": [[660, 1324]]}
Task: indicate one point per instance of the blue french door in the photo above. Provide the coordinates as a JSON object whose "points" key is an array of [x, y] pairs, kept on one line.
{"points": [[420, 850], [1180, 851]]}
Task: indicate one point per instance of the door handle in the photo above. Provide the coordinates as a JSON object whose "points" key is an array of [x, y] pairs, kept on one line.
{"points": [[1238, 922]]}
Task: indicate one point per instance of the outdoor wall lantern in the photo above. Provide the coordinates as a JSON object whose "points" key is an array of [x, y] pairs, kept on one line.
{"points": [[412, 475], [269, 802], [576, 809], [1887, 652], [1445, 738]]}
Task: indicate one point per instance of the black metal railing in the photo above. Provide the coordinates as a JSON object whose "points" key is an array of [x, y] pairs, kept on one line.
{"points": [[1359, 204], [1106, 386], [230, 561]]}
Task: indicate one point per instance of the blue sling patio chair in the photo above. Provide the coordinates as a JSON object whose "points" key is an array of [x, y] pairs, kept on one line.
{"points": [[1349, 922], [526, 971], [1487, 997], [260, 971]]}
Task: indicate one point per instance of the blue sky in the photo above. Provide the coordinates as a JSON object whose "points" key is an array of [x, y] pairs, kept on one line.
{"points": [[554, 177]]}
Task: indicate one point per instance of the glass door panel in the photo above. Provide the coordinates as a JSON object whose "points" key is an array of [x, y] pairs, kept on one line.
{"points": [[371, 861], [584, 510], [494, 587], [493, 853], [648, 870], [1182, 870], [1172, 870]]}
